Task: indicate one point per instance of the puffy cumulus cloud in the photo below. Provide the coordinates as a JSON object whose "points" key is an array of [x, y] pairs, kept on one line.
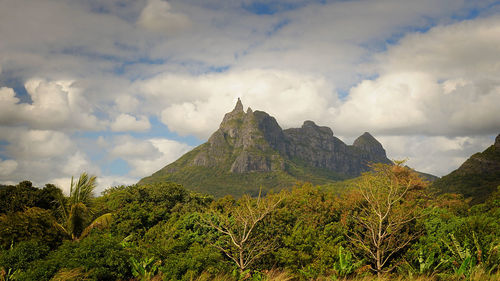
{"points": [[126, 122], [443, 82], [196, 104], [128, 147], [394, 102], [8, 104], [77, 163], [465, 49], [158, 16], [36, 144], [436, 155], [40, 156], [7, 167], [127, 103], [149, 155], [55, 105]]}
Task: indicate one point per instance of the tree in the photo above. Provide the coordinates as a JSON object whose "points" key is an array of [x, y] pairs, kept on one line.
{"points": [[76, 209], [32, 224], [389, 200], [237, 228]]}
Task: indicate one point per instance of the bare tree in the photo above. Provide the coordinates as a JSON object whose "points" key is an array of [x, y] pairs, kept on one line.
{"points": [[389, 199], [237, 225]]}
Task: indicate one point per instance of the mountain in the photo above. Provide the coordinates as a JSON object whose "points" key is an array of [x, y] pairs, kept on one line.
{"points": [[477, 177], [250, 150]]}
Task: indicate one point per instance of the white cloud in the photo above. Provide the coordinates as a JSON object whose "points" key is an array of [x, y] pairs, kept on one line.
{"points": [[63, 183], [157, 15], [441, 83], [169, 151], [55, 104], [444, 82], [126, 146], [147, 156], [77, 163], [36, 144], [196, 104], [7, 167], [103, 183], [126, 122], [40, 156], [436, 155], [464, 49], [127, 103]]}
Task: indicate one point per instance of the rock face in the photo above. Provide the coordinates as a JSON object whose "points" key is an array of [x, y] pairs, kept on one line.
{"points": [[241, 139], [259, 144], [477, 177], [253, 145]]}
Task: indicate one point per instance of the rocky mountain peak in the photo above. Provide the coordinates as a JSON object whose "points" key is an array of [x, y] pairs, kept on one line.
{"points": [[497, 141], [250, 148], [368, 143], [236, 113], [310, 128], [239, 106]]}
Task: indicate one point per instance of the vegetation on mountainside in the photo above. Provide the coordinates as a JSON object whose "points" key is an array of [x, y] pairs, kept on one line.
{"points": [[250, 152], [477, 178], [165, 232], [219, 181]]}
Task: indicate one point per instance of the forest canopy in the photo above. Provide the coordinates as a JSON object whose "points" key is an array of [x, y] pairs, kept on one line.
{"points": [[386, 222]]}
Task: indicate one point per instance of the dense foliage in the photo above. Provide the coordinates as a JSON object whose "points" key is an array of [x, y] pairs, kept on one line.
{"points": [[165, 232]]}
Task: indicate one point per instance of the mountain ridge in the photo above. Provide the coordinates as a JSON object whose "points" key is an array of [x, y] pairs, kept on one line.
{"points": [[476, 178], [250, 150]]}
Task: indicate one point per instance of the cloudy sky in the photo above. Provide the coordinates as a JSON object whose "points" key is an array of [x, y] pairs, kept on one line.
{"points": [[120, 88]]}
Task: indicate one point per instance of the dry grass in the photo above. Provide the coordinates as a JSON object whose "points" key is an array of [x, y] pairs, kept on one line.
{"points": [[75, 274], [278, 275], [478, 274]]}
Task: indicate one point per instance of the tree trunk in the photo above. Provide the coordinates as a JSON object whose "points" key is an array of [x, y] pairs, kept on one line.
{"points": [[379, 264], [242, 266]]}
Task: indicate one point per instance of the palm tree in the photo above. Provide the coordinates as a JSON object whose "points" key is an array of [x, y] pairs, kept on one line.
{"points": [[76, 210]]}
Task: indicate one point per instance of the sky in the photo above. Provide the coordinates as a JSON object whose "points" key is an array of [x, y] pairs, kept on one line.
{"points": [[121, 88]]}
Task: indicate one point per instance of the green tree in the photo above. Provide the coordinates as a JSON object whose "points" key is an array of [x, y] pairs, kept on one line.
{"points": [[76, 208], [23, 196], [237, 226], [389, 200], [32, 224], [98, 256]]}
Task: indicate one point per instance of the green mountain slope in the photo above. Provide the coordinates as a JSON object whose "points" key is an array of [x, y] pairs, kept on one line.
{"points": [[250, 151], [477, 177]]}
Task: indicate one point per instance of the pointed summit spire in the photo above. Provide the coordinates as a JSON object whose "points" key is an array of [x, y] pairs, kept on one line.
{"points": [[368, 143], [236, 113], [238, 107]]}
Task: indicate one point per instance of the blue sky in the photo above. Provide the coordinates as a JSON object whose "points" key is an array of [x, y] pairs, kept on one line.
{"points": [[122, 88]]}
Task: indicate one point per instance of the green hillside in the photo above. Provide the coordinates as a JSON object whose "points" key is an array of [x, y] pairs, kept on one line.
{"points": [[250, 151], [477, 178]]}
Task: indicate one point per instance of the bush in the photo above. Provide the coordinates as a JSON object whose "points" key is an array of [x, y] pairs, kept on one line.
{"points": [[100, 257], [32, 224], [21, 255]]}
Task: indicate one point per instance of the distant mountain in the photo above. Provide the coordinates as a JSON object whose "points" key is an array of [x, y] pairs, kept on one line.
{"points": [[477, 177], [250, 150]]}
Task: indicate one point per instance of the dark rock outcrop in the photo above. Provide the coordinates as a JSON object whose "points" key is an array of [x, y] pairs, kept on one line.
{"points": [[253, 142]]}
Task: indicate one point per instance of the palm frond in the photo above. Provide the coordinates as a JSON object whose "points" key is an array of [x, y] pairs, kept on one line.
{"points": [[101, 222], [82, 190]]}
